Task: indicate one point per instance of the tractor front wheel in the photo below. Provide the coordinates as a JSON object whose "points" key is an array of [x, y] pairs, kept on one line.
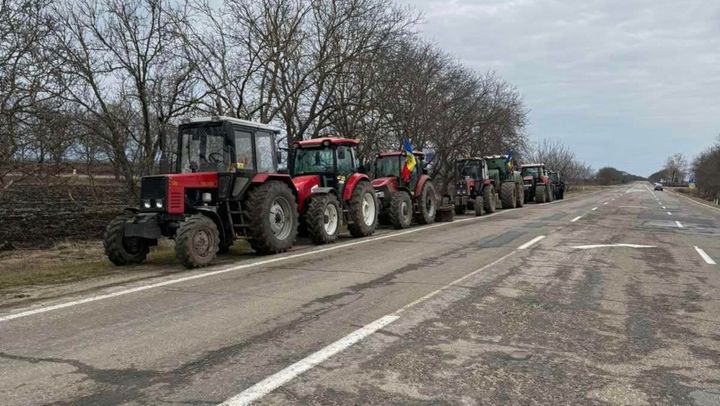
{"points": [[272, 218], [520, 193], [323, 219], [427, 206], [363, 210], [478, 206], [507, 195], [540, 194], [122, 250], [489, 199], [197, 241], [401, 210]]}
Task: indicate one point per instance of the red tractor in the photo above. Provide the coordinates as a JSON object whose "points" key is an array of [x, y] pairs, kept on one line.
{"points": [[474, 188], [400, 201], [226, 187], [331, 189], [537, 184]]}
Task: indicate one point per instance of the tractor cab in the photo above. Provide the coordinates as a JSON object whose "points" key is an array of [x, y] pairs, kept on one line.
{"points": [[470, 173], [402, 199], [332, 190], [536, 183], [226, 186]]}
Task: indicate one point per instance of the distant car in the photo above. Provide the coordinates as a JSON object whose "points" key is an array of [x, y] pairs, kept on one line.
{"points": [[658, 186]]}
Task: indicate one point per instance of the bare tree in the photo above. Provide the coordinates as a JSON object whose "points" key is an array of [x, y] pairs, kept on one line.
{"points": [[676, 168]]}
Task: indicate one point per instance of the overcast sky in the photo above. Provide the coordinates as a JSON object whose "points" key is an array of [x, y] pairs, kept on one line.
{"points": [[623, 83]]}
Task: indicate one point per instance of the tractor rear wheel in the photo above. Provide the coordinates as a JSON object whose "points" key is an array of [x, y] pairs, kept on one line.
{"points": [[540, 194], [323, 218], [197, 241], [489, 199], [363, 210], [401, 210], [122, 250], [478, 206], [520, 193], [507, 195], [272, 218], [427, 206]]}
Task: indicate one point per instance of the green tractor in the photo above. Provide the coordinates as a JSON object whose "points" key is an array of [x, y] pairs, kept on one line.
{"points": [[507, 181]]}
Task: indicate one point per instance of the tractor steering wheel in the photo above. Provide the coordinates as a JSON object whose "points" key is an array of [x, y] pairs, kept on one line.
{"points": [[215, 158]]}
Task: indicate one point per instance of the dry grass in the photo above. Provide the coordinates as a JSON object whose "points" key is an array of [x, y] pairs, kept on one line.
{"points": [[68, 262]]}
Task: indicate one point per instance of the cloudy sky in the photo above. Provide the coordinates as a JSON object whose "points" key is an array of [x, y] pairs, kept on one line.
{"points": [[623, 83]]}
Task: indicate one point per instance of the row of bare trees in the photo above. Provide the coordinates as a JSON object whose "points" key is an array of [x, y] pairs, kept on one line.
{"points": [[104, 81], [706, 169]]}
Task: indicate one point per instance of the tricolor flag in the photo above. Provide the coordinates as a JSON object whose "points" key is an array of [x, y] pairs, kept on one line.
{"points": [[409, 161], [508, 160]]}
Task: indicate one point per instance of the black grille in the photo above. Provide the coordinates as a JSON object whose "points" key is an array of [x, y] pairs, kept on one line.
{"points": [[153, 187]]}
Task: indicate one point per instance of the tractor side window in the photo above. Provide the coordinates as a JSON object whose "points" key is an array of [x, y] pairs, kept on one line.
{"points": [[243, 150], [265, 152], [344, 160]]}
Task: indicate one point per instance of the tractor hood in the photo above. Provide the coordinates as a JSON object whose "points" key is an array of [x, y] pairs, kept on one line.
{"points": [[167, 192], [389, 181], [304, 185]]}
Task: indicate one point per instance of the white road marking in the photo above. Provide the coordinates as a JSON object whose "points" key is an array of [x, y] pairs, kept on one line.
{"points": [[605, 203], [632, 207], [679, 224], [576, 219], [669, 214], [705, 256], [284, 376], [664, 208], [531, 242], [587, 247], [696, 202], [594, 208]]}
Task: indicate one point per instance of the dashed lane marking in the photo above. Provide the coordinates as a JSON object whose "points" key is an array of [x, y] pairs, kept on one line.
{"points": [[576, 219], [679, 224], [705, 256], [531, 242], [587, 247], [594, 208]]}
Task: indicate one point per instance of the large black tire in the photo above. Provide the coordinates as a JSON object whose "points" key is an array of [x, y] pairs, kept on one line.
{"points": [[520, 193], [401, 210], [122, 250], [197, 241], [540, 194], [507, 195], [550, 193], [489, 199], [363, 217], [426, 204], [478, 206], [263, 235], [323, 218]]}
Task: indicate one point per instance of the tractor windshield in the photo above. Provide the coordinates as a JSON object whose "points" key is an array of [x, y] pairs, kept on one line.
{"points": [[387, 166], [313, 160], [531, 171], [204, 149], [469, 169]]}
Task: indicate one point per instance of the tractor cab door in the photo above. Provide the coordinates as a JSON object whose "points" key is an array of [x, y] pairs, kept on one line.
{"points": [[346, 165]]}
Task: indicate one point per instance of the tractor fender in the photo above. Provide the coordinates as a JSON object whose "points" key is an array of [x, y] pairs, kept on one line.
{"points": [[488, 182], [544, 180], [266, 177], [212, 213], [420, 184], [350, 184]]}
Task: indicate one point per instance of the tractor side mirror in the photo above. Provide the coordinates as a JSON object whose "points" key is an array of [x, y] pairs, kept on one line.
{"points": [[341, 153], [363, 169], [278, 157]]}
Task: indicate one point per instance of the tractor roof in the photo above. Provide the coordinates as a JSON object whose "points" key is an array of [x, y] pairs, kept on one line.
{"points": [[470, 159], [316, 142], [531, 165], [398, 153], [233, 120], [496, 157]]}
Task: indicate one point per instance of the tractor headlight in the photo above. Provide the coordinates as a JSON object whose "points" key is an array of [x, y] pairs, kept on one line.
{"points": [[159, 203], [206, 197], [380, 195], [146, 204]]}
